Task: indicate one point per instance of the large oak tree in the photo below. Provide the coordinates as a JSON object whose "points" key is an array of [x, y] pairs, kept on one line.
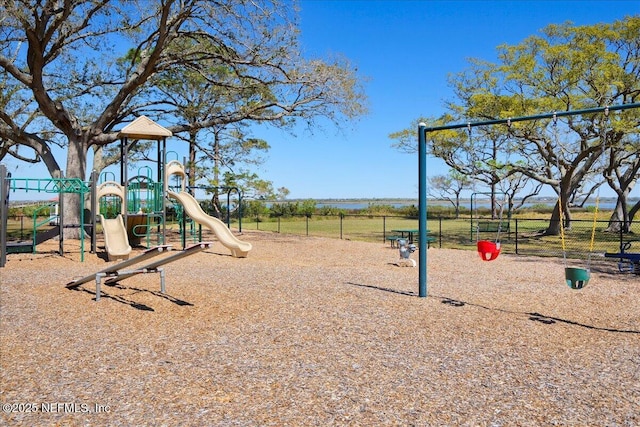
{"points": [[73, 72], [566, 68]]}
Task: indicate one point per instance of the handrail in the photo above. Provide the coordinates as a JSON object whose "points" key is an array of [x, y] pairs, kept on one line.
{"points": [[49, 185]]}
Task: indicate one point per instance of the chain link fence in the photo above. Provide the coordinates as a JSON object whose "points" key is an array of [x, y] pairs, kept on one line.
{"points": [[521, 236]]}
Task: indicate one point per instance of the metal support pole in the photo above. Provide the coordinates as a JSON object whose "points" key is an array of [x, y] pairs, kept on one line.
{"points": [[99, 277], [124, 177], [183, 225], [384, 228], [516, 236], [94, 209], [422, 211], [61, 222], [239, 210], [4, 213], [228, 207], [162, 162]]}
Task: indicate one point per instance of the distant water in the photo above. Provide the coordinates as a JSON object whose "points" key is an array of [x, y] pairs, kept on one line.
{"points": [[606, 204], [357, 205]]}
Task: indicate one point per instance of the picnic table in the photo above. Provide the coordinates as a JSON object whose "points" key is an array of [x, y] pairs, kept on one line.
{"points": [[408, 233]]}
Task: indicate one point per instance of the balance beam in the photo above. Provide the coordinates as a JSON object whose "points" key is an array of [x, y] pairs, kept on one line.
{"points": [[150, 268], [113, 269], [153, 267]]}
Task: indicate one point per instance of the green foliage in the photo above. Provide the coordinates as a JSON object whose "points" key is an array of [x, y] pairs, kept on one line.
{"points": [[378, 209], [408, 211], [446, 211], [29, 211], [307, 207], [564, 68], [330, 211], [439, 209], [538, 207], [110, 209], [285, 209], [16, 211], [255, 209]]}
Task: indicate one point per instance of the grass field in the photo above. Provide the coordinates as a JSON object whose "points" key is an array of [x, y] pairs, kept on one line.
{"points": [[458, 233], [450, 233]]}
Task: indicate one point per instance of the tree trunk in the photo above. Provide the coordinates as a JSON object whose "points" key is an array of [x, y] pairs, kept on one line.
{"points": [[192, 163], [493, 201], [619, 220], [633, 211], [76, 168], [215, 199], [554, 223], [99, 161], [215, 204]]}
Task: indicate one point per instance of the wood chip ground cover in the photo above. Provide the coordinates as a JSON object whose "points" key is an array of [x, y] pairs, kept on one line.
{"points": [[314, 331]]}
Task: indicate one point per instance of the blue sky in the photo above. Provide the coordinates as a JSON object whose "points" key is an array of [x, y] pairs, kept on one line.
{"points": [[406, 49]]}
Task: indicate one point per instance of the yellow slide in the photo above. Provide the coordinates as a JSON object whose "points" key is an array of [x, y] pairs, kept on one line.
{"points": [[116, 242], [238, 248]]}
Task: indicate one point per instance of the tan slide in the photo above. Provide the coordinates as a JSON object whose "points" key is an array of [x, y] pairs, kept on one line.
{"points": [[238, 248], [116, 242]]}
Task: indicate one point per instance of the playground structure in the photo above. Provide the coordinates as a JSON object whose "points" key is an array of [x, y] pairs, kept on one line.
{"points": [[142, 204], [239, 248], [572, 275], [141, 128], [116, 242], [58, 186], [131, 211]]}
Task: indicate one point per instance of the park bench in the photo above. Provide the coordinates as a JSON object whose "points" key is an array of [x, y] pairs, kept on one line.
{"points": [[393, 240], [492, 226], [429, 240]]}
